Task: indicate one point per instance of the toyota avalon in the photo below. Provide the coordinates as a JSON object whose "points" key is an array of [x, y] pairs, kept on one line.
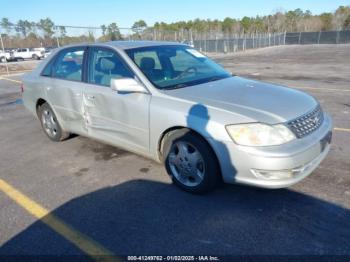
{"points": [[169, 102]]}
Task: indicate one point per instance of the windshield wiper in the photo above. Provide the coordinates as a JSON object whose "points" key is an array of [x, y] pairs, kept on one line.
{"points": [[215, 78], [175, 86], [206, 80]]}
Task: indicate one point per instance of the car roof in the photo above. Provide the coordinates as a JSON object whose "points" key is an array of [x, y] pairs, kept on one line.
{"points": [[137, 44], [128, 44]]}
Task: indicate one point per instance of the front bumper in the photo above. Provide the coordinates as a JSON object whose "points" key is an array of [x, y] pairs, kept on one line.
{"points": [[239, 164]]}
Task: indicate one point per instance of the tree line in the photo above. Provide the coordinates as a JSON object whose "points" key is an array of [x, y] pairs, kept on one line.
{"points": [[291, 21], [46, 33]]}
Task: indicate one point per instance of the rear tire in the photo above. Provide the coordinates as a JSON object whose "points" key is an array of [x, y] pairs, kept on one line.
{"points": [[35, 57], [190, 162], [50, 124]]}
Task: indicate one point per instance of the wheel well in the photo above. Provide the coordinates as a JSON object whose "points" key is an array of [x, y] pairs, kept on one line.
{"points": [[39, 103], [177, 128]]}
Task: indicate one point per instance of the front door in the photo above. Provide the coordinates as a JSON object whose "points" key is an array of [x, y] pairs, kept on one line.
{"points": [[119, 119]]}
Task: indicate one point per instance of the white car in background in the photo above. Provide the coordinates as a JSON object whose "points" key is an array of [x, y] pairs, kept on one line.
{"points": [[5, 56], [29, 53]]}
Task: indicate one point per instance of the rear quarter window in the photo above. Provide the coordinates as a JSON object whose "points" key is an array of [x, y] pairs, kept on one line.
{"points": [[48, 68]]}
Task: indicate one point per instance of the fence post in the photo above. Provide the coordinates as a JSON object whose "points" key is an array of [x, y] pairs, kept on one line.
{"points": [[244, 41], [319, 37], [284, 39], [337, 38], [299, 38]]}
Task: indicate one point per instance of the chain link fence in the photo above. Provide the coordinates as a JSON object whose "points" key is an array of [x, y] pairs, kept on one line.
{"points": [[212, 41], [239, 43], [323, 37]]}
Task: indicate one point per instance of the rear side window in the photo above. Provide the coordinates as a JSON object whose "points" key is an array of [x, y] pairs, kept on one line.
{"points": [[69, 64]]}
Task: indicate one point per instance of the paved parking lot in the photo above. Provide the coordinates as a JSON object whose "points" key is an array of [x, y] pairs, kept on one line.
{"points": [[80, 196]]}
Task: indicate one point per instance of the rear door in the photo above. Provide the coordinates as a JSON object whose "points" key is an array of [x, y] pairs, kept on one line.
{"points": [[120, 119], [64, 87]]}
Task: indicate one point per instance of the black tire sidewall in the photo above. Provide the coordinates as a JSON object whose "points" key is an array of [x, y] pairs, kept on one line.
{"points": [[212, 171]]}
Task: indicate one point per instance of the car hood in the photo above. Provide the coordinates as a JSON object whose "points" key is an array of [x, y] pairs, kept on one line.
{"points": [[259, 101]]}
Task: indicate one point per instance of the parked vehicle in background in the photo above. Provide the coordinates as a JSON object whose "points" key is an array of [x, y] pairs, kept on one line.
{"points": [[28, 53], [6, 56], [171, 103], [48, 51]]}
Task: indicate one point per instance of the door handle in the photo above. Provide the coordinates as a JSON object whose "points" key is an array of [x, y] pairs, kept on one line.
{"points": [[90, 97]]}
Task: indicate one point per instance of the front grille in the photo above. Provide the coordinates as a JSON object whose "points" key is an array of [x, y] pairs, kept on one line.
{"points": [[308, 123]]}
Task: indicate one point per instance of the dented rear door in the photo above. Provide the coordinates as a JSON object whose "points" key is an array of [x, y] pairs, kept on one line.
{"points": [[66, 99], [65, 90]]}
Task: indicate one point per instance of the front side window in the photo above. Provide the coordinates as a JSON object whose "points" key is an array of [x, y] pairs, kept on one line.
{"points": [[104, 65], [69, 64], [176, 66]]}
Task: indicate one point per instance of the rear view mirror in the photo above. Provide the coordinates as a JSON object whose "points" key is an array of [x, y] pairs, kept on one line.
{"points": [[127, 85]]}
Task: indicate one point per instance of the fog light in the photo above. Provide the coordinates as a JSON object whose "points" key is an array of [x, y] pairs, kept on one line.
{"points": [[274, 174]]}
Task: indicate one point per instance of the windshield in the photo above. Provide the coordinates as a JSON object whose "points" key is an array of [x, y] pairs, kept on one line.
{"points": [[176, 66]]}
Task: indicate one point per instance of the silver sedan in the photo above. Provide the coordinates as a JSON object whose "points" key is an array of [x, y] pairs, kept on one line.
{"points": [[171, 103]]}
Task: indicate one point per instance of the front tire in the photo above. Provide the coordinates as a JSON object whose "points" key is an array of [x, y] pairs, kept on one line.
{"points": [[190, 162], [50, 124]]}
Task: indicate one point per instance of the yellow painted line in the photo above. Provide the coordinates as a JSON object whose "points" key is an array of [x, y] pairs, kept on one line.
{"points": [[11, 80], [342, 129], [83, 242]]}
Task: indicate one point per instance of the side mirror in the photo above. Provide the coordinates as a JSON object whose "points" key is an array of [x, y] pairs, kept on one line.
{"points": [[127, 85]]}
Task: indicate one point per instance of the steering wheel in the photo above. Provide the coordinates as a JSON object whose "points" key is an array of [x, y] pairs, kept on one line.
{"points": [[188, 70]]}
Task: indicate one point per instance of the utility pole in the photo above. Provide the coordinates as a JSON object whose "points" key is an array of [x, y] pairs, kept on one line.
{"points": [[3, 49]]}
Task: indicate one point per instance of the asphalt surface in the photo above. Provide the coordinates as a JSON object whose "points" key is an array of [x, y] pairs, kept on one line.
{"points": [[15, 67], [127, 204]]}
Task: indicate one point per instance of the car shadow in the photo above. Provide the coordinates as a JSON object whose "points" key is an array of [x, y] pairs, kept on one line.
{"points": [[199, 117], [154, 218]]}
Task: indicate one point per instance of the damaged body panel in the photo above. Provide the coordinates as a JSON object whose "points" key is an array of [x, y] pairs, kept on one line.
{"points": [[170, 103]]}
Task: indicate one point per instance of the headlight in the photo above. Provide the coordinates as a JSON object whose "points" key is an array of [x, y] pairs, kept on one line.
{"points": [[258, 134]]}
